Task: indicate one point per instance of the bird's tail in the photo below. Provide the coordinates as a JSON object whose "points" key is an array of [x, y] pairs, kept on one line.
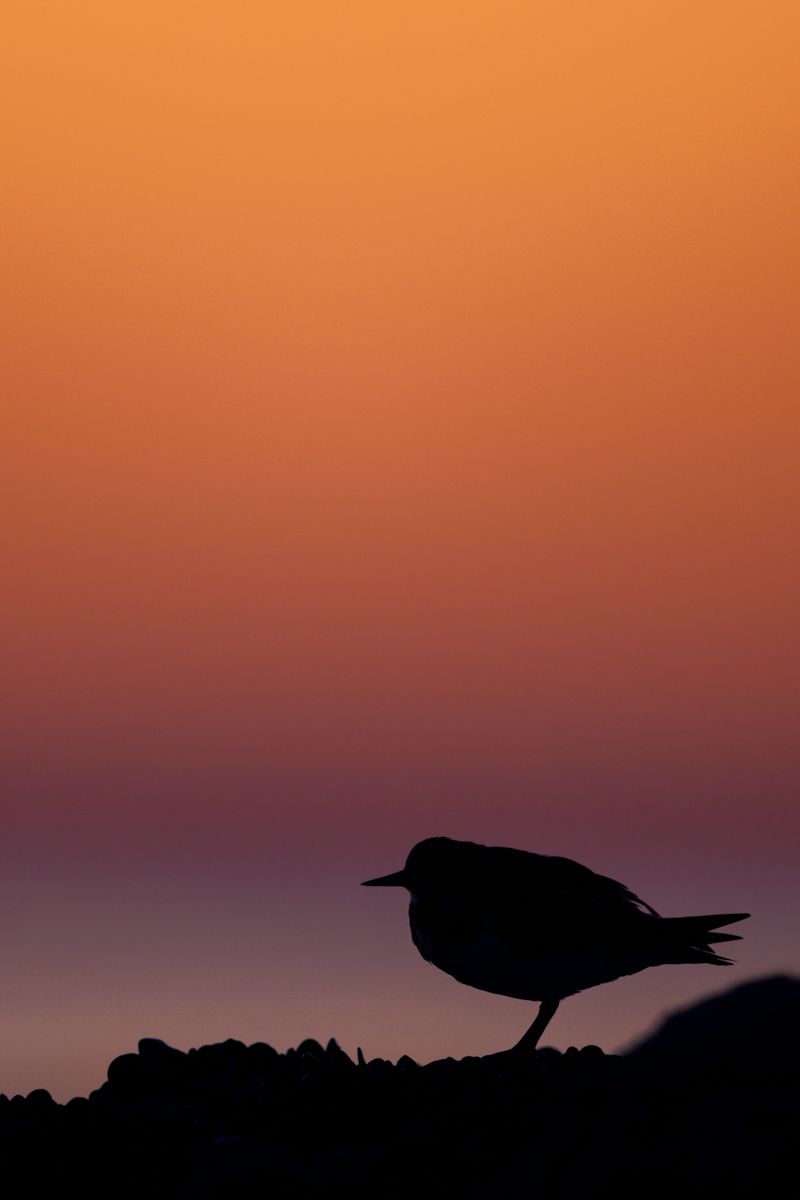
{"points": [[703, 928], [698, 933]]}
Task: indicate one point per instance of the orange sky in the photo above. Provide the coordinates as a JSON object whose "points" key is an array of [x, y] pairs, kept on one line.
{"points": [[400, 423]]}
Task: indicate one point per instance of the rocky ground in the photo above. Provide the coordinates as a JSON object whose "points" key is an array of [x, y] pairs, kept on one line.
{"points": [[707, 1106]]}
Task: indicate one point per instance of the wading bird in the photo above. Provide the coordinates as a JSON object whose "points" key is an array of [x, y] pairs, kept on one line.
{"points": [[538, 927]]}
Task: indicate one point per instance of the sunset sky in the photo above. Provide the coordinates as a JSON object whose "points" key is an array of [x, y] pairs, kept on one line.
{"points": [[399, 437]]}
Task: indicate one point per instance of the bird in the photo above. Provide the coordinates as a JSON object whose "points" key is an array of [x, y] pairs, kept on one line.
{"points": [[538, 927]]}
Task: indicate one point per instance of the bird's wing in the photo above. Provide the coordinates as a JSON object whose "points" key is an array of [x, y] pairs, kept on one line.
{"points": [[545, 900], [598, 890]]}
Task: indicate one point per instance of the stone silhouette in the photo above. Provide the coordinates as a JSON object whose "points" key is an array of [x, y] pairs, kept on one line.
{"points": [[708, 1106]]}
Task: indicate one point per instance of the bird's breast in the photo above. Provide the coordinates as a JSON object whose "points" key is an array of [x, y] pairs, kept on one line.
{"points": [[467, 944], [439, 926], [459, 939]]}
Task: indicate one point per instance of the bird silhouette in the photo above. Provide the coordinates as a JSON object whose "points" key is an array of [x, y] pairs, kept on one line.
{"points": [[538, 927]]}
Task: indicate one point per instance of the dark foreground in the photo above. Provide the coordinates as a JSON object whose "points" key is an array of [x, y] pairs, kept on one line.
{"points": [[708, 1106]]}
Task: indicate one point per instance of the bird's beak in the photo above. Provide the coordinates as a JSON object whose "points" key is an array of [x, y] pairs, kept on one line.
{"points": [[396, 880]]}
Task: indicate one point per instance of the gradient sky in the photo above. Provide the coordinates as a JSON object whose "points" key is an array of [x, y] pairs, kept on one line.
{"points": [[400, 437]]}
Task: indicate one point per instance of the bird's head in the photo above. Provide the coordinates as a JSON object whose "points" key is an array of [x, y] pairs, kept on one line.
{"points": [[433, 865]]}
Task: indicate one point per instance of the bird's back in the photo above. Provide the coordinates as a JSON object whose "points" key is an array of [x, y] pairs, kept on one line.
{"points": [[536, 926]]}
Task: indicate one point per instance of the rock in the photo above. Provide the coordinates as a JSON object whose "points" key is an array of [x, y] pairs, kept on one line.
{"points": [[592, 1053], [155, 1048], [579, 1125], [751, 1029], [310, 1048], [127, 1075]]}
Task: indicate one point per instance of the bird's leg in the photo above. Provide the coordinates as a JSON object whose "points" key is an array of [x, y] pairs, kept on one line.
{"points": [[530, 1038]]}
